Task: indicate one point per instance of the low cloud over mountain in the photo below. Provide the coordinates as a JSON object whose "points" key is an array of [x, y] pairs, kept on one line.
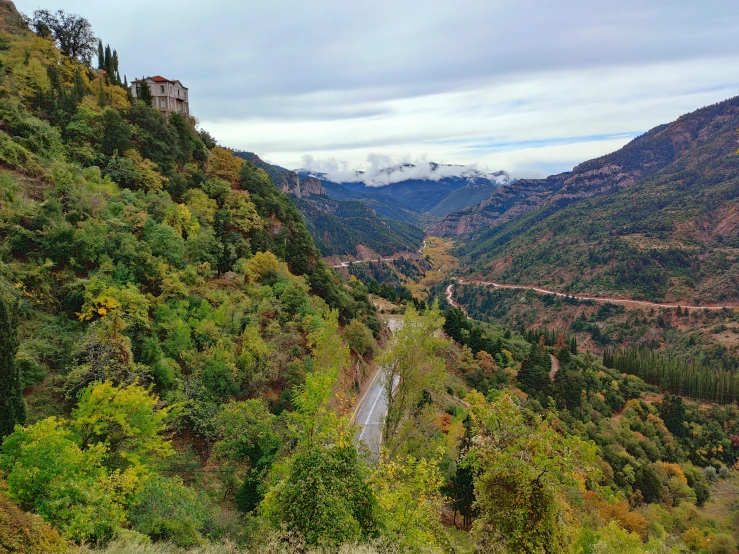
{"points": [[382, 173]]}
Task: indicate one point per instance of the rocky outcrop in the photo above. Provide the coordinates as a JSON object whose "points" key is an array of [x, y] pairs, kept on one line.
{"points": [[310, 186], [291, 184], [287, 181]]}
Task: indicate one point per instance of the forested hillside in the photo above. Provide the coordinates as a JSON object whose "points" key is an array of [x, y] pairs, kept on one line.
{"points": [[340, 225], [179, 370], [654, 220]]}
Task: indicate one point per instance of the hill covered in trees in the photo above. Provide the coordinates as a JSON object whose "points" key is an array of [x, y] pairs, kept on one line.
{"points": [[177, 366], [655, 220]]}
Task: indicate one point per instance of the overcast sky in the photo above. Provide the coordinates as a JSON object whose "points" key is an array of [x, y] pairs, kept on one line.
{"points": [[530, 86]]}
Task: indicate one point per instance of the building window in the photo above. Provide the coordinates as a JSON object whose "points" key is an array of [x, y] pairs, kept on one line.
{"points": [[162, 87]]}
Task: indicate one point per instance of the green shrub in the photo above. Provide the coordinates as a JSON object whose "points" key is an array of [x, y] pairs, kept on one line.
{"points": [[167, 510], [17, 157]]}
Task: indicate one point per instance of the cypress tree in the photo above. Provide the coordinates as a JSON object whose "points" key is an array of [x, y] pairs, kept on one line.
{"points": [[79, 90], [12, 406], [101, 55], [143, 92], [108, 58]]}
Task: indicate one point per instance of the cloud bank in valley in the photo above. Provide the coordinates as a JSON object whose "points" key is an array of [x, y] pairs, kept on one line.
{"points": [[530, 87], [381, 170]]}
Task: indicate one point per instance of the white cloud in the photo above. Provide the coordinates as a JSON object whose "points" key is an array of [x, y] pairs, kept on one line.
{"points": [[532, 124], [383, 170]]}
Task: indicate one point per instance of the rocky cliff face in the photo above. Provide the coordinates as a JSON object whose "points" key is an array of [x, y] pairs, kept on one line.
{"points": [[312, 186], [643, 156], [287, 181], [301, 188]]}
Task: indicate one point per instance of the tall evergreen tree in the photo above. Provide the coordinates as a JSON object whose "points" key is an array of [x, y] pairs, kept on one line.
{"points": [[143, 92], [101, 55], [672, 412], [79, 91], [534, 372], [108, 60], [12, 406], [102, 99]]}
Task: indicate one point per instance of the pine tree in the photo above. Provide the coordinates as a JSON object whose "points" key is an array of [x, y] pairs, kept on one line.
{"points": [[12, 406]]}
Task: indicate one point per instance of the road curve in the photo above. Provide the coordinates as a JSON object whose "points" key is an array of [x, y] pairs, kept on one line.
{"points": [[610, 299]]}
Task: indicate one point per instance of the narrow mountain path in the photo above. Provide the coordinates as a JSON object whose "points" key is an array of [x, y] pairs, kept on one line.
{"points": [[613, 299], [555, 366]]}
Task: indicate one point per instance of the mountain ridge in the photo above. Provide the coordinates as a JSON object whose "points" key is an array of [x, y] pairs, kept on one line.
{"points": [[434, 191], [644, 155], [656, 219]]}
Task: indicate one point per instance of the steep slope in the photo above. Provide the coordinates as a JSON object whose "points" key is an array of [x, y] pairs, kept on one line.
{"points": [[341, 228], [657, 219]]}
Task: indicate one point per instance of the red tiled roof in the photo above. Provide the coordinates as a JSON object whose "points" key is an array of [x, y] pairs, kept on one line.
{"points": [[160, 79]]}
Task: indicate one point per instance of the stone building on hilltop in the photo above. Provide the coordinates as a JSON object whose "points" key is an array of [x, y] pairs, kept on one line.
{"points": [[167, 96]]}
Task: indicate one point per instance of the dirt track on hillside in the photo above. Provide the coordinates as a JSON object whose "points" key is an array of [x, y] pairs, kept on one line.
{"points": [[627, 302]]}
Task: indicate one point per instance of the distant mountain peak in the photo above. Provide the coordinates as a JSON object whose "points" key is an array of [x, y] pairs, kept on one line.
{"points": [[424, 171]]}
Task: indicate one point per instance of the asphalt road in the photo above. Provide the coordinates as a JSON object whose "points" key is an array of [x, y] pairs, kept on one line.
{"points": [[371, 408], [370, 414]]}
